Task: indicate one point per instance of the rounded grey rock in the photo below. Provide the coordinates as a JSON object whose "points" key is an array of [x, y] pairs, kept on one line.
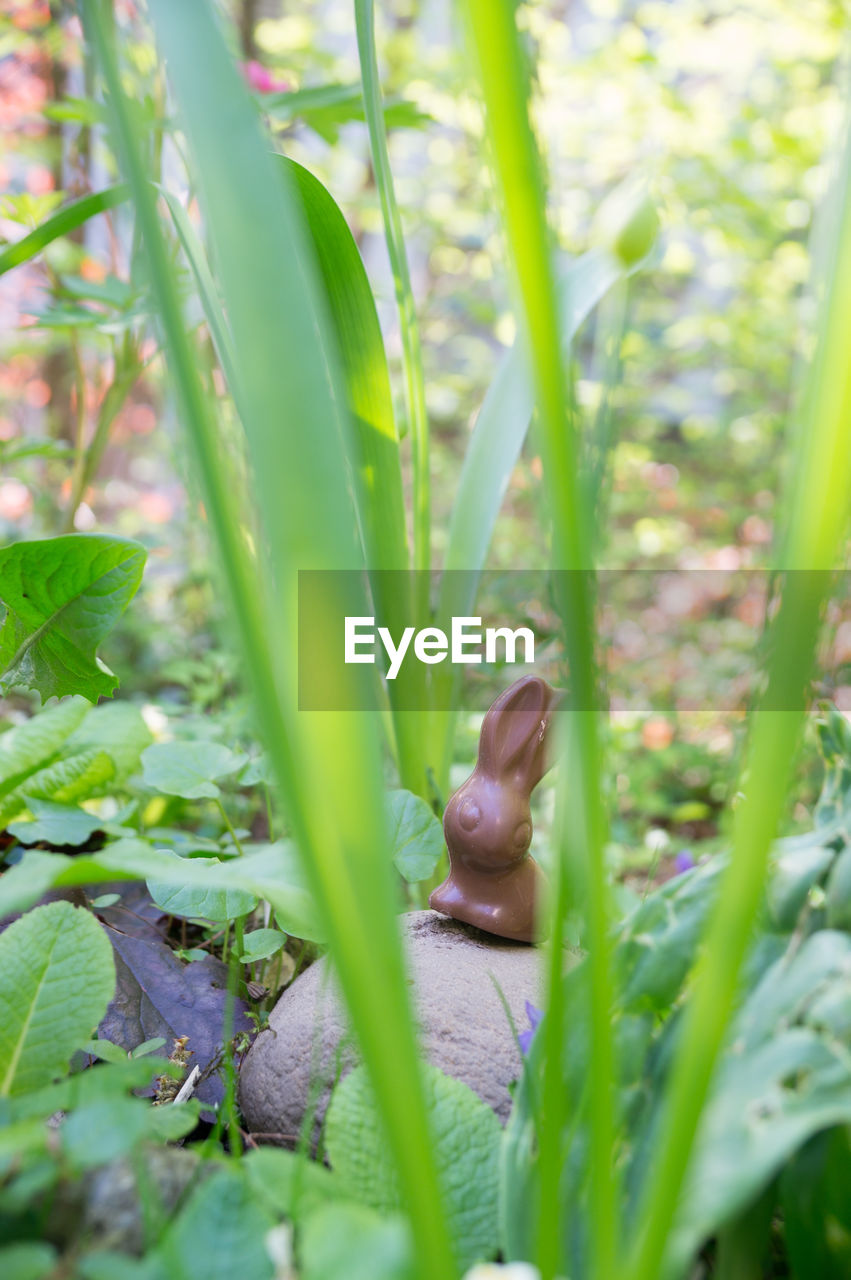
{"points": [[455, 971]]}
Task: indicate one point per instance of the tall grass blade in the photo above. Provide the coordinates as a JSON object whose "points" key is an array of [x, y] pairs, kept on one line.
{"points": [[208, 295], [327, 765], [815, 529], [376, 465], [60, 224], [505, 82], [415, 402]]}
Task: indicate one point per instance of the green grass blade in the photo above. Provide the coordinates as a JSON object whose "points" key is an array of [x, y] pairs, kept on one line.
{"points": [[816, 525], [415, 401], [377, 478], [207, 292], [61, 223], [505, 82], [380, 501], [327, 765]]}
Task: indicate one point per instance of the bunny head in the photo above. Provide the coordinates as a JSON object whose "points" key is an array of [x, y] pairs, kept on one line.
{"points": [[488, 824]]}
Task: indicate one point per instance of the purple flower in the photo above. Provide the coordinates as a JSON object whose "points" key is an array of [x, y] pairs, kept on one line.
{"points": [[684, 861], [525, 1037]]}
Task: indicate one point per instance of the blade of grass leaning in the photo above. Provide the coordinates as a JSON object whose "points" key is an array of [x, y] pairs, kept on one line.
{"points": [[60, 224], [505, 83], [377, 473], [504, 80], [376, 465], [816, 526], [327, 765], [415, 401]]}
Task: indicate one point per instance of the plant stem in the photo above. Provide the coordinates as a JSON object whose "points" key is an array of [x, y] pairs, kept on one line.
{"points": [[229, 826], [415, 401]]}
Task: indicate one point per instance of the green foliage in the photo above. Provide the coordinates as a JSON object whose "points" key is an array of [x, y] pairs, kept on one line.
{"points": [[59, 824], [416, 836], [260, 944], [356, 1242], [61, 224], [68, 752], [56, 978], [63, 596], [220, 1232], [466, 1136], [188, 769], [199, 900]]}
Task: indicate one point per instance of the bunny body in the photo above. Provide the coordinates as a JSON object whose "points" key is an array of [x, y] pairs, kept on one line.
{"points": [[493, 883]]}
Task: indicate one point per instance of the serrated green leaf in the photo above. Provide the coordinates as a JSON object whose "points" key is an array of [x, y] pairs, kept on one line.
{"points": [[51, 823], [63, 596], [416, 835], [466, 1136], [208, 902], [259, 944], [57, 976], [188, 769], [352, 1242]]}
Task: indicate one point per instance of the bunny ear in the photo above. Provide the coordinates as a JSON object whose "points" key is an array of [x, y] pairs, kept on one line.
{"points": [[513, 734]]}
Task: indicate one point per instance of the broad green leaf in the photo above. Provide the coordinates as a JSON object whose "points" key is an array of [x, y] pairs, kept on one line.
{"points": [[272, 872], [117, 728], [109, 1128], [219, 1233], [59, 824], [27, 1260], [62, 597], [352, 1242], [105, 1050], [80, 776], [57, 976], [66, 220], [289, 1183], [416, 835], [187, 769], [786, 1075], [28, 745], [364, 366], [466, 1136], [259, 944], [204, 901]]}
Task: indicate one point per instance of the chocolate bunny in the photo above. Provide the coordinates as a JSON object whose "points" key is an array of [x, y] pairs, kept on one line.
{"points": [[493, 883]]}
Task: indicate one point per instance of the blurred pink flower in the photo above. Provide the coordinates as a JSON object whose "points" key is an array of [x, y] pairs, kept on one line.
{"points": [[15, 500], [261, 80]]}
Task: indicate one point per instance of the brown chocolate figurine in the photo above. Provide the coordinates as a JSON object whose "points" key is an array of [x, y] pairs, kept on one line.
{"points": [[492, 881]]}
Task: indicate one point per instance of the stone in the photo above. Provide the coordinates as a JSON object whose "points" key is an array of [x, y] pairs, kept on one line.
{"points": [[463, 1025]]}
